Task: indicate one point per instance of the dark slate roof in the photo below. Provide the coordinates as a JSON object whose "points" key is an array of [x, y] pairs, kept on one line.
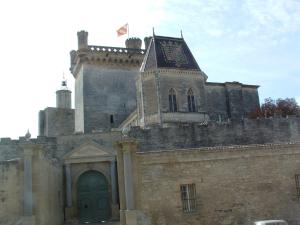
{"points": [[169, 53]]}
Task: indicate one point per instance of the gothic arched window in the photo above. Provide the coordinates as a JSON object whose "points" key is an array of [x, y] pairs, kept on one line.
{"points": [[191, 101], [172, 100]]}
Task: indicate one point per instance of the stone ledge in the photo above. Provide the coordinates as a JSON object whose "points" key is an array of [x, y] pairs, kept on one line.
{"points": [[270, 146]]}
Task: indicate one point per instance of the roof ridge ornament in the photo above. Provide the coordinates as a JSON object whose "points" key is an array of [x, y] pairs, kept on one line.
{"points": [[64, 84], [27, 135]]}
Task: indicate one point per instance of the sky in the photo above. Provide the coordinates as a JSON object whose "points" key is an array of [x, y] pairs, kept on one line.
{"points": [[250, 41]]}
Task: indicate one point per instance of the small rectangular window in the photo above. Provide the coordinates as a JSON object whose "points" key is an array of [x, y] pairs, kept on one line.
{"points": [[111, 118], [297, 179], [188, 197]]}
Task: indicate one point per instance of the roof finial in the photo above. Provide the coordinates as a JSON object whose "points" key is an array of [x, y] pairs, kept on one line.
{"points": [[181, 34], [153, 31], [64, 85], [27, 135]]}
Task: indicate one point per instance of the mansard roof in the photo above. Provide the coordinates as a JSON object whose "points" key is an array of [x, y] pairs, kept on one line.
{"points": [[169, 53]]}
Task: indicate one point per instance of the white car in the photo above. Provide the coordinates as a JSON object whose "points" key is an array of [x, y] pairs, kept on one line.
{"points": [[270, 222]]}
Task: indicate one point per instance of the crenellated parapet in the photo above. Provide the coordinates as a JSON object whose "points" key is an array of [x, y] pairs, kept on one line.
{"points": [[104, 55], [134, 43], [131, 56]]}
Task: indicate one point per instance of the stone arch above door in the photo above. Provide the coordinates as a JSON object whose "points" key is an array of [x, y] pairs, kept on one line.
{"points": [[85, 157], [90, 151]]}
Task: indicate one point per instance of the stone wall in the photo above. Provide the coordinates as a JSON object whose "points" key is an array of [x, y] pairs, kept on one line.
{"points": [[150, 100], [216, 101], [109, 96], [250, 99], [234, 185], [155, 87], [247, 131], [9, 149], [182, 82], [11, 184], [54, 122], [47, 184], [43, 192], [230, 100]]}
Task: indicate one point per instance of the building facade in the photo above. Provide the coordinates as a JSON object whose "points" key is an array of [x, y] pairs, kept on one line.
{"points": [[151, 142]]}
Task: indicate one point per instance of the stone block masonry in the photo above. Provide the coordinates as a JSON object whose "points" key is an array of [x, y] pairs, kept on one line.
{"points": [[10, 191], [247, 131], [234, 185]]}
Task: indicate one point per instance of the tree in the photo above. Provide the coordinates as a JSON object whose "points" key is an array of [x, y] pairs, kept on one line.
{"points": [[286, 107], [268, 108], [280, 107]]}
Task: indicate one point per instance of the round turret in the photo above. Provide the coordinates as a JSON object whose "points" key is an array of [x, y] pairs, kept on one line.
{"points": [[134, 43], [63, 96]]}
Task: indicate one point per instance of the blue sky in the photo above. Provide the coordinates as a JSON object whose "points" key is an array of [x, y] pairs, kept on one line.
{"points": [[251, 41]]}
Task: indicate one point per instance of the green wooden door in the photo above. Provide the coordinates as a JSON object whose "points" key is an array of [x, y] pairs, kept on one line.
{"points": [[93, 197]]}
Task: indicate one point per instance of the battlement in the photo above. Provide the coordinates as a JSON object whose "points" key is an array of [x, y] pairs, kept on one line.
{"points": [[131, 56], [134, 43], [106, 55], [108, 49]]}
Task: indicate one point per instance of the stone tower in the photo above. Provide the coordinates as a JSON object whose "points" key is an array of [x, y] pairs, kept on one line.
{"points": [[105, 91], [63, 96], [59, 120], [171, 85]]}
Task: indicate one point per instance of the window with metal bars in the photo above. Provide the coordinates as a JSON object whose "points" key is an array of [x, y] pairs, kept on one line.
{"points": [[191, 101], [297, 179], [188, 197], [172, 100]]}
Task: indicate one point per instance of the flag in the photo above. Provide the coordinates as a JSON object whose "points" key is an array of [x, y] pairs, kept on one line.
{"points": [[122, 30]]}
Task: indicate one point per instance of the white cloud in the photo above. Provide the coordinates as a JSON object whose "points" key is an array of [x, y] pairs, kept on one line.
{"points": [[272, 18]]}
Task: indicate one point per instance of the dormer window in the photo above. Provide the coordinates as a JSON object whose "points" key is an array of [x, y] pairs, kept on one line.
{"points": [[172, 100], [191, 101]]}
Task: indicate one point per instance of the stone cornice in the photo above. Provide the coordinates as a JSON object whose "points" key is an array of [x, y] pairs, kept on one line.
{"points": [[102, 55], [222, 152], [175, 72], [231, 84]]}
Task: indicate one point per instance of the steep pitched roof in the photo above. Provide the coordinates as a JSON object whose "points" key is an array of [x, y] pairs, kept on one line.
{"points": [[169, 53]]}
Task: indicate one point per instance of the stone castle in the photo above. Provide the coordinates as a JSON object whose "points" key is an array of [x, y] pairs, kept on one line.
{"points": [[150, 142]]}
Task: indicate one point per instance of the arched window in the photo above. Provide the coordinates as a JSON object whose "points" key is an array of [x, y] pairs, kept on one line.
{"points": [[191, 101], [172, 100]]}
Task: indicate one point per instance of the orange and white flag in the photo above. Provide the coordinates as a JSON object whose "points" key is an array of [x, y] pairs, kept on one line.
{"points": [[122, 30]]}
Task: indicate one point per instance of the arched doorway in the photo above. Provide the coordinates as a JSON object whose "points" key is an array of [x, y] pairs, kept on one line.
{"points": [[93, 197]]}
